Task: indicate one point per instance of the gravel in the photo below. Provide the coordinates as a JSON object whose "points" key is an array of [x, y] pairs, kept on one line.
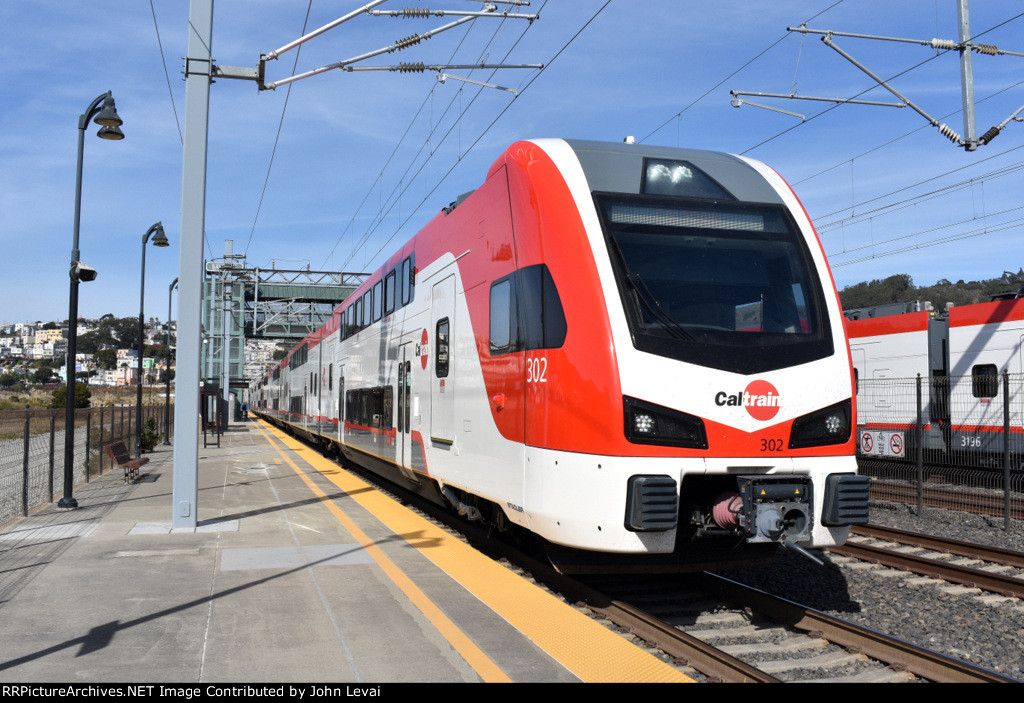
{"points": [[933, 616]]}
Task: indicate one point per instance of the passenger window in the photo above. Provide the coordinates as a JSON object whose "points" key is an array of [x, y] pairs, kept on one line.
{"points": [[502, 337], [408, 281], [389, 293], [441, 349], [378, 300], [984, 381]]}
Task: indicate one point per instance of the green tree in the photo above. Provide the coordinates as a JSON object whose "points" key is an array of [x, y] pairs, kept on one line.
{"points": [[82, 396], [42, 375], [105, 358], [149, 436]]}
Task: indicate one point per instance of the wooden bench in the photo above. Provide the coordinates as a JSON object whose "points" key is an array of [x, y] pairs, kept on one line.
{"points": [[122, 458]]}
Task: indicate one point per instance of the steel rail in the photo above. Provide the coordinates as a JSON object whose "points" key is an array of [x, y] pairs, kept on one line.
{"points": [[900, 655], [964, 575], [705, 658], [947, 499], [997, 555]]}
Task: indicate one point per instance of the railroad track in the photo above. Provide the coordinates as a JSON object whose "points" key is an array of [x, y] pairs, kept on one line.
{"points": [[947, 498], [715, 629], [782, 641], [992, 569]]}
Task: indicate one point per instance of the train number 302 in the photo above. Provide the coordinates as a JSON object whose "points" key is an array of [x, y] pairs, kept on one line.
{"points": [[537, 370], [771, 445]]}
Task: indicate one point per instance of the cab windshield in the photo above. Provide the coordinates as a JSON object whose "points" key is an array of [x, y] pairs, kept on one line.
{"points": [[723, 284]]}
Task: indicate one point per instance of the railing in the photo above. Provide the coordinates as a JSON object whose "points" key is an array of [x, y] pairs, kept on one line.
{"points": [[955, 442], [32, 450]]}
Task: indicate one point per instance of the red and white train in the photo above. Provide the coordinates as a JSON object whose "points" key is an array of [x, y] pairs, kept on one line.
{"points": [[961, 356], [636, 354]]}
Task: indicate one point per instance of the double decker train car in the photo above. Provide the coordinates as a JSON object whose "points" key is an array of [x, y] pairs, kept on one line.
{"points": [[961, 355], [634, 356]]}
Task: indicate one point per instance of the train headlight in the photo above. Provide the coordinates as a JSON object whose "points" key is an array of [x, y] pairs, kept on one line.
{"points": [[646, 423], [680, 179], [829, 425]]}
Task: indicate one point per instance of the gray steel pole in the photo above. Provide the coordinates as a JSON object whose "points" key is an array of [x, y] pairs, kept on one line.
{"points": [[142, 344], [225, 364], [1006, 450], [967, 74], [68, 500], [167, 395], [160, 240], [198, 69], [920, 450]]}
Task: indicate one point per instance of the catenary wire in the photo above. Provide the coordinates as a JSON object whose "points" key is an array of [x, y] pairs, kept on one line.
{"points": [[493, 123], [898, 75], [277, 137], [390, 203], [380, 175], [719, 84]]}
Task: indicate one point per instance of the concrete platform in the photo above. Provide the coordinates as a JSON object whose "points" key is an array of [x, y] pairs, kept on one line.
{"points": [[297, 572]]}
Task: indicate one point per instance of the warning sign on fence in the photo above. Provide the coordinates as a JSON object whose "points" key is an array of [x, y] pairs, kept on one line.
{"points": [[882, 443]]}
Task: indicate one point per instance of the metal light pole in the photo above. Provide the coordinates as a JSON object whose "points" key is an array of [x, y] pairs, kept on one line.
{"points": [[159, 240], [107, 117], [167, 396]]}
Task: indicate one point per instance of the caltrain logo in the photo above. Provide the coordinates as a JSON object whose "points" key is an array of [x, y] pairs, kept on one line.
{"points": [[760, 399]]}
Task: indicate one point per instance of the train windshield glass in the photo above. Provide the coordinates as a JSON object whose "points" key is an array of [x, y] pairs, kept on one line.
{"points": [[726, 285]]}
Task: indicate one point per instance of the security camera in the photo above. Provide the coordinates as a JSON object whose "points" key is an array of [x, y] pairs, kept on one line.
{"points": [[83, 272]]}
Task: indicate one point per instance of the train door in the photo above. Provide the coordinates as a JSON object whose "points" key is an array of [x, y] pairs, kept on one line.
{"points": [[403, 424], [442, 388], [1017, 387], [341, 403], [318, 388]]}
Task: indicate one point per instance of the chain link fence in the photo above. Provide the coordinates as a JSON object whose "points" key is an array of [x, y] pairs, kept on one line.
{"points": [[952, 442], [32, 450]]}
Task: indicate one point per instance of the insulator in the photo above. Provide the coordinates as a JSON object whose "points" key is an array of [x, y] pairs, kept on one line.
{"points": [[989, 135], [413, 67], [943, 44], [986, 49], [949, 133], [415, 12], [412, 40]]}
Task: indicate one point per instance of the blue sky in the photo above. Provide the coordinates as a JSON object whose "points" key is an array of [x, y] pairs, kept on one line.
{"points": [[351, 178]]}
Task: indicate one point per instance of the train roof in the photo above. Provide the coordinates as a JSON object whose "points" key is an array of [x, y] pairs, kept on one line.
{"points": [[619, 168]]}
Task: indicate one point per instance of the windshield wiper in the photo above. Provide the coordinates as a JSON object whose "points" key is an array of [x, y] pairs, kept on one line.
{"points": [[650, 301]]}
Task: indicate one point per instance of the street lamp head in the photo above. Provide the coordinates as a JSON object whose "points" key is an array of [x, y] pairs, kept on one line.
{"points": [[159, 238], [110, 132], [108, 116]]}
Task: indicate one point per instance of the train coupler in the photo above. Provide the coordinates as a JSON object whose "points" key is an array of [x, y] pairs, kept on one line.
{"points": [[768, 509]]}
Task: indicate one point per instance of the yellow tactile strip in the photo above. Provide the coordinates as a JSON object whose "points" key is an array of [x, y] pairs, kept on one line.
{"points": [[584, 647]]}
